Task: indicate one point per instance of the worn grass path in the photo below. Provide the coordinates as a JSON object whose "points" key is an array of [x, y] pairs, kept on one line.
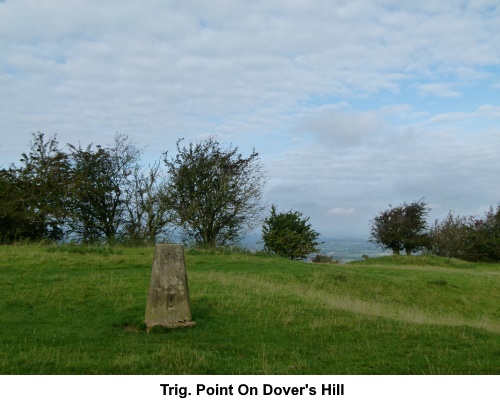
{"points": [[80, 310]]}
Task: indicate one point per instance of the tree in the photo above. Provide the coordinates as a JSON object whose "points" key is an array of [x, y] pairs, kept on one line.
{"points": [[468, 238], [34, 194], [484, 241], [91, 194], [14, 216], [214, 192], [450, 237], [401, 228], [288, 234], [147, 212], [100, 177]]}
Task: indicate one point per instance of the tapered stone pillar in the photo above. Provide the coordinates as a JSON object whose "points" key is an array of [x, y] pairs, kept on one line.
{"points": [[168, 302]]}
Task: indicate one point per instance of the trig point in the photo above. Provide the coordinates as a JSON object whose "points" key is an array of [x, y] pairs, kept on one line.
{"points": [[168, 296]]}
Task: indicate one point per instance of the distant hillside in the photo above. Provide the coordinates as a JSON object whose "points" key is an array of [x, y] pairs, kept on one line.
{"points": [[344, 249], [349, 249]]}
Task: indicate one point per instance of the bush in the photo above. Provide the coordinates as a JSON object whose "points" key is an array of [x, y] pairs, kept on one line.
{"points": [[288, 234], [401, 228], [450, 237], [324, 259], [467, 238]]}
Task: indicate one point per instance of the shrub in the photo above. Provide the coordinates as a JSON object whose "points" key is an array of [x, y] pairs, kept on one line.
{"points": [[467, 238], [450, 237], [401, 228], [324, 259], [288, 234]]}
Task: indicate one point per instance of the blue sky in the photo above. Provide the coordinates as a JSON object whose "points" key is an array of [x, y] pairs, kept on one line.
{"points": [[353, 105]]}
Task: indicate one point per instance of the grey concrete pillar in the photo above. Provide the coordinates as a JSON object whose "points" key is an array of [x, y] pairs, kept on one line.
{"points": [[168, 302]]}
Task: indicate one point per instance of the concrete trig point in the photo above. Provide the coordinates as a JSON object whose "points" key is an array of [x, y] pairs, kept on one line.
{"points": [[168, 296]]}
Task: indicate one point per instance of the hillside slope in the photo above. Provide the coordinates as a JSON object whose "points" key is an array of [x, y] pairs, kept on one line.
{"points": [[80, 310]]}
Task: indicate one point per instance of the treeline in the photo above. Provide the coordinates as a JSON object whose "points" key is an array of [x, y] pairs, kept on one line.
{"points": [[212, 194], [96, 194], [467, 237], [87, 193], [405, 229]]}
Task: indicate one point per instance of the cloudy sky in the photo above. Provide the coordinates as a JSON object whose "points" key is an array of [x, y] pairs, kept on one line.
{"points": [[352, 104]]}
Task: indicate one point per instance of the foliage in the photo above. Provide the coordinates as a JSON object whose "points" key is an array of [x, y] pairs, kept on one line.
{"points": [[214, 192], [33, 195], [95, 194], [90, 194], [99, 180], [288, 234], [401, 228], [450, 237], [485, 237], [14, 216], [147, 212], [467, 238], [324, 259]]}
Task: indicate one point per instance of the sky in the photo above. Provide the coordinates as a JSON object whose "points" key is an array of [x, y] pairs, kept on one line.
{"points": [[352, 105]]}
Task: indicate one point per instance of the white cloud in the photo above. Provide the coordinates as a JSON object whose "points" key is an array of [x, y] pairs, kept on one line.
{"points": [[341, 211], [485, 112], [438, 89], [338, 128], [330, 93], [453, 170]]}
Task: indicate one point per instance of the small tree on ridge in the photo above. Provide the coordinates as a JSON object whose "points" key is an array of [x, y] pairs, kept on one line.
{"points": [[401, 228], [288, 234], [214, 192]]}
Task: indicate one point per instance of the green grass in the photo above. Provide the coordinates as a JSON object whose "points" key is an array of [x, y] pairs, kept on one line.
{"points": [[80, 310]]}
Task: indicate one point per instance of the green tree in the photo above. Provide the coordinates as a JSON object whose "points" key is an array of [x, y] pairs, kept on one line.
{"points": [[147, 214], [401, 228], [214, 192], [100, 177], [468, 238], [484, 240], [90, 194], [289, 234], [15, 221], [450, 237], [34, 194]]}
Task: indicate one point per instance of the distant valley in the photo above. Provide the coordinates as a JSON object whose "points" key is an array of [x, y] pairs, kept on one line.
{"points": [[344, 249]]}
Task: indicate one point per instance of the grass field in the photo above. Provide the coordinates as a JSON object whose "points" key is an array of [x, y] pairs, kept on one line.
{"points": [[80, 310]]}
